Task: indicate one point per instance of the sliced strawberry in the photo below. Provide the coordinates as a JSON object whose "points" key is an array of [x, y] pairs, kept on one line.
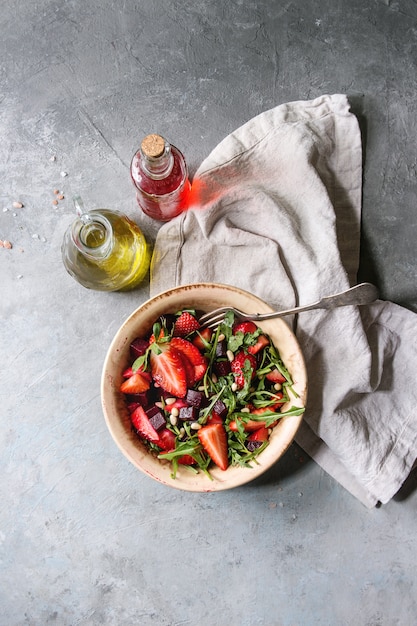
{"points": [[202, 335], [261, 434], [275, 376], [166, 440], [249, 426], [252, 425], [193, 354], [128, 372], [168, 370], [186, 459], [178, 404], [214, 418], [272, 407], [185, 324], [244, 327], [137, 383], [142, 424], [260, 344], [189, 368], [238, 367], [213, 438]]}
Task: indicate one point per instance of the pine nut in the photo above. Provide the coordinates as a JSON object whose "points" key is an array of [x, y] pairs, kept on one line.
{"points": [[230, 355], [170, 400], [214, 378], [175, 412], [277, 386], [233, 386], [173, 419], [159, 405], [221, 337], [195, 426], [245, 409]]}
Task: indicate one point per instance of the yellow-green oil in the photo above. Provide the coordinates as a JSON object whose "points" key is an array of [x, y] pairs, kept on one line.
{"points": [[116, 264]]}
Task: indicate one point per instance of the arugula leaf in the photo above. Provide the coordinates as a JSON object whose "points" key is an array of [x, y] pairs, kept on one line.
{"points": [[235, 342]]}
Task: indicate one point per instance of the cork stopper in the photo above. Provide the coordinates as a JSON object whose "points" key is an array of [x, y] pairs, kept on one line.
{"points": [[153, 146]]}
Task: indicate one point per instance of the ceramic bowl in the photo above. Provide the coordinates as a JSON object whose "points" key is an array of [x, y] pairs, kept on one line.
{"points": [[203, 297]]}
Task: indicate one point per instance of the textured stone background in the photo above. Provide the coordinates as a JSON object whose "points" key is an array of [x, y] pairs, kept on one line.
{"points": [[84, 537]]}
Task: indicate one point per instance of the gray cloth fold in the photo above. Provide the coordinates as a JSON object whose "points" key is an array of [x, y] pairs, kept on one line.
{"points": [[276, 210]]}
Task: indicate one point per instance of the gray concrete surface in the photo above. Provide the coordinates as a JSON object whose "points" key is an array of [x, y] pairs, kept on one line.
{"points": [[86, 539]]}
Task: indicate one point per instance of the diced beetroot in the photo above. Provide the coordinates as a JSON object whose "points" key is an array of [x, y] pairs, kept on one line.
{"points": [[253, 445], [143, 398], [188, 413], [157, 420], [195, 398], [221, 368], [156, 417], [132, 406], [220, 408], [221, 348], [152, 410], [138, 347]]}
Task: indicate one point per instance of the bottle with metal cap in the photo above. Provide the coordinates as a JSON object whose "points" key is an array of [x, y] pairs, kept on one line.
{"points": [[159, 173]]}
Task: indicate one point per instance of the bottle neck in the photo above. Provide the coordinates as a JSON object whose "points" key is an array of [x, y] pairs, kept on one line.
{"points": [[93, 236], [158, 167]]}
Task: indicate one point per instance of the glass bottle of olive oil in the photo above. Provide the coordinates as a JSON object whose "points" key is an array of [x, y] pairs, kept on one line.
{"points": [[105, 250]]}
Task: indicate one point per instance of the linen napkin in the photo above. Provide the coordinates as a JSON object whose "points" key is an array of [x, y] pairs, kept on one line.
{"points": [[275, 210]]}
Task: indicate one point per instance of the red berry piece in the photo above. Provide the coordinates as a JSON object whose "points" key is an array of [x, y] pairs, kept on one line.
{"points": [[168, 370], [137, 383], [260, 344], [213, 438], [275, 376], [202, 336], [185, 325], [166, 440], [238, 366], [143, 426], [244, 327], [193, 354]]}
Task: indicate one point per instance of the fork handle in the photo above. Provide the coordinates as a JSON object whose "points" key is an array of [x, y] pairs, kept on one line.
{"points": [[364, 293]]}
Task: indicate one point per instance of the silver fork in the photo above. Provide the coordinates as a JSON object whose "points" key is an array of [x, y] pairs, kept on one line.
{"points": [[364, 293]]}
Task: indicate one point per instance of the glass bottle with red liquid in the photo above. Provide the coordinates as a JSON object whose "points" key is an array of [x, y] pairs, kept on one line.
{"points": [[159, 173]]}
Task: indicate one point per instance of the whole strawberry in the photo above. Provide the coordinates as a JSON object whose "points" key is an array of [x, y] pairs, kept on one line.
{"points": [[185, 325]]}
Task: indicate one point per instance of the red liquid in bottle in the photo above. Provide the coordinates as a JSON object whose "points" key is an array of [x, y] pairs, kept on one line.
{"points": [[159, 173]]}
